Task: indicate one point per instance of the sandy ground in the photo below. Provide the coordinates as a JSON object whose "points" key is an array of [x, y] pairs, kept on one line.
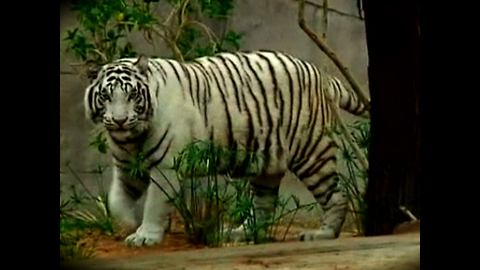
{"points": [[347, 252]]}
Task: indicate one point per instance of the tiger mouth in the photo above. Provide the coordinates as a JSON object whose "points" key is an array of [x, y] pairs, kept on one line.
{"points": [[117, 128], [124, 127]]}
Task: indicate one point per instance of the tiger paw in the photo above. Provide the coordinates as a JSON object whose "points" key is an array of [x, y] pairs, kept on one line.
{"points": [[144, 237], [326, 232]]}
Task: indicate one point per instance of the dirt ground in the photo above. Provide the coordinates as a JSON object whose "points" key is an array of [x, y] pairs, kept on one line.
{"points": [[113, 247], [401, 251]]}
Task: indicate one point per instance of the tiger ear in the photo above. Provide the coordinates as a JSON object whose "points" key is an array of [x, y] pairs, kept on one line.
{"points": [[142, 64]]}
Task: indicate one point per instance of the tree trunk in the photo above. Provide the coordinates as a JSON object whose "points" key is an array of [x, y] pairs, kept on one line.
{"points": [[393, 41]]}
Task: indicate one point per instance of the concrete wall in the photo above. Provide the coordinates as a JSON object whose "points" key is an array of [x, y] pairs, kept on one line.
{"points": [[265, 24]]}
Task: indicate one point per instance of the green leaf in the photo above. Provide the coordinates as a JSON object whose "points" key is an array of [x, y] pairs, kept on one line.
{"points": [[232, 38], [128, 51], [217, 9], [71, 34], [100, 142], [138, 167]]}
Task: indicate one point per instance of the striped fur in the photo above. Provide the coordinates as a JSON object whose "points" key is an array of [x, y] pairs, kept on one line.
{"points": [[268, 102]]}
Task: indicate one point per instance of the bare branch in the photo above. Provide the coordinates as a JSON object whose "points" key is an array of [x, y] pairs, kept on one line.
{"points": [[183, 20], [170, 16], [101, 54], [67, 73], [333, 10], [177, 54], [211, 35], [325, 18], [329, 52]]}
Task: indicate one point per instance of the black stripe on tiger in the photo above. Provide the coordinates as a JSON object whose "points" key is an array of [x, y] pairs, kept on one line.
{"points": [[91, 100], [205, 102], [290, 88], [223, 89], [206, 88], [251, 127], [171, 63], [322, 180], [306, 77], [268, 142], [308, 170], [315, 98], [293, 157], [319, 165], [308, 84], [161, 70], [296, 122], [263, 92], [186, 71], [277, 90], [208, 79], [251, 92], [273, 78], [310, 128], [132, 191], [160, 159], [155, 148], [261, 190], [232, 79], [197, 85], [240, 77], [227, 113], [120, 160], [311, 132]]}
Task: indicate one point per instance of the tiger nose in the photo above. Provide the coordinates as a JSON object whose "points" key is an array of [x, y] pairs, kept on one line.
{"points": [[120, 121]]}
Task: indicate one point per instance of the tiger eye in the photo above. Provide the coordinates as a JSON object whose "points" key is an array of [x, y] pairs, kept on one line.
{"points": [[131, 95]]}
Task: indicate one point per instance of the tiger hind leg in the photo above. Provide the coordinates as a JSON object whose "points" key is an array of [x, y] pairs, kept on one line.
{"points": [[335, 210], [322, 182]]}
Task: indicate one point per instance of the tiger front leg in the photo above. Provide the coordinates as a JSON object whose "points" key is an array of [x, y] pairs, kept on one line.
{"points": [[157, 210], [265, 193], [123, 194]]}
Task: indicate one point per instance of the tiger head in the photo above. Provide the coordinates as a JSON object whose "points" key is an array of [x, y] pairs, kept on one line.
{"points": [[121, 96]]}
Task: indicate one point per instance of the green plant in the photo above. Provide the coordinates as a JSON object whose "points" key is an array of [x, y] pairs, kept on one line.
{"points": [[282, 213], [101, 218], [354, 181], [99, 142], [71, 232], [212, 202], [104, 26], [77, 217], [205, 201]]}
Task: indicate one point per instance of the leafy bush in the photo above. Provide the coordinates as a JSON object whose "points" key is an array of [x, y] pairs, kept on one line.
{"points": [[104, 25]]}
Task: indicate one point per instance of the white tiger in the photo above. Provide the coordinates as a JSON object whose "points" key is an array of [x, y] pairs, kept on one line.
{"points": [[269, 102]]}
